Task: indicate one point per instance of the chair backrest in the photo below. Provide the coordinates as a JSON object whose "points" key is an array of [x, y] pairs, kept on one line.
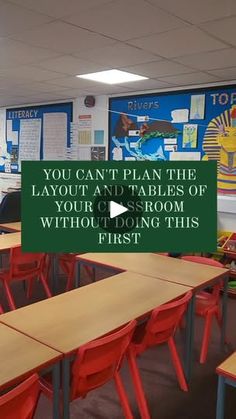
{"points": [[164, 320], [211, 262], [21, 401], [23, 263], [97, 361], [10, 208], [67, 262]]}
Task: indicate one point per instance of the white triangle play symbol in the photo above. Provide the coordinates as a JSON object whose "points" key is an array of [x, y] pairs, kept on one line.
{"points": [[116, 209]]}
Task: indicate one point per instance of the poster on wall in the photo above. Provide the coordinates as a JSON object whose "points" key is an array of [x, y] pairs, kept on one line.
{"points": [[34, 133], [201, 122]]}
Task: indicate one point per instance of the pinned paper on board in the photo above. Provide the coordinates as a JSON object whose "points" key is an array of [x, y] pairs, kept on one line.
{"points": [[143, 118], [98, 153], [179, 115], [117, 153], [84, 153], [98, 136], [170, 140], [185, 155], [170, 147], [197, 108], [134, 133], [133, 144], [190, 136]]}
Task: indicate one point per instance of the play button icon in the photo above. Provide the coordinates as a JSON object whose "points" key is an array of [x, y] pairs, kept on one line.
{"points": [[116, 209]]}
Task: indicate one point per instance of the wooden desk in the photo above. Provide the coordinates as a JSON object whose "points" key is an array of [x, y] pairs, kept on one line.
{"points": [[9, 240], [227, 375], [21, 355], [11, 226], [177, 271], [162, 267], [69, 320], [228, 367]]}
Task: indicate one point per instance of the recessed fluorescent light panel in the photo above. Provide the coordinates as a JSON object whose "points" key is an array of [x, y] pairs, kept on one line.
{"points": [[112, 77]]}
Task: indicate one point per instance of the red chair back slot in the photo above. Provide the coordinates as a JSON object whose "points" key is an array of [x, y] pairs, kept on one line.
{"points": [[164, 320], [21, 263], [21, 401], [211, 262], [97, 361]]}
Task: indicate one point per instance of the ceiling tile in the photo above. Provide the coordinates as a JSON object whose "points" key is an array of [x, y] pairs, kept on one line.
{"points": [[225, 73], [210, 60], [118, 55], [103, 89], [62, 37], [13, 100], [15, 19], [147, 84], [192, 78], [124, 19], [14, 53], [59, 8], [223, 29], [39, 87], [73, 82], [178, 42], [197, 11], [71, 65], [158, 68], [29, 73]]}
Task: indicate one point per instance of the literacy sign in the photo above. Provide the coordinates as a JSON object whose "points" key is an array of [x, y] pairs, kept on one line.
{"points": [[119, 206]]}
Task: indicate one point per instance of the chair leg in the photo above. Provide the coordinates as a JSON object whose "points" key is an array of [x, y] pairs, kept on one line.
{"points": [[9, 296], [123, 396], [30, 288], [206, 338], [138, 388], [70, 279], [219, 318], [45, 285], [177, 364]]}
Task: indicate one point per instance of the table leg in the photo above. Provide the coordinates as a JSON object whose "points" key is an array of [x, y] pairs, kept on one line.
{"points": [[56, 390], [66, 387], [189, 338], [93, 273], [224, 312], [77, 273], [220, 398]]}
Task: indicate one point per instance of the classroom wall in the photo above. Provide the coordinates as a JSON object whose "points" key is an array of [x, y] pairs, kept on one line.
{"points": [[99, 122]]}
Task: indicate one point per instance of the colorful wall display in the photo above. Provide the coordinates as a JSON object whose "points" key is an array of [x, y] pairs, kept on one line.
{"points": [[200, 123], [34, 133]]}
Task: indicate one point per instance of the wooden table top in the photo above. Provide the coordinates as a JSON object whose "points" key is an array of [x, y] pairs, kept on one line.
{"points": [[11, 226], [69, 320], [174, 270], [228, 367], [10, 240], [20, 356]]}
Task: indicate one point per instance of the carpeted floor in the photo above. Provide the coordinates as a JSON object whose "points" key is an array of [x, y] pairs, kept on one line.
{"points": [[165, 399]]}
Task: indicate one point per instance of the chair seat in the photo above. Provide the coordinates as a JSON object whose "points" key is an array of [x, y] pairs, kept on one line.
{"points": [[204, 302]]}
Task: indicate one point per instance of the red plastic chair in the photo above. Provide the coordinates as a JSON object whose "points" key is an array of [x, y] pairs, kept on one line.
{"points": [[1, 309], [96, 363], [21, 401], [207, 304], [159, 328], [67, 262], [23, 266]]}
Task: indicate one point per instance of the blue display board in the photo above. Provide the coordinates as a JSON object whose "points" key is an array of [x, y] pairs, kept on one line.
{"points": [[155, 126], [26, 131]]}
